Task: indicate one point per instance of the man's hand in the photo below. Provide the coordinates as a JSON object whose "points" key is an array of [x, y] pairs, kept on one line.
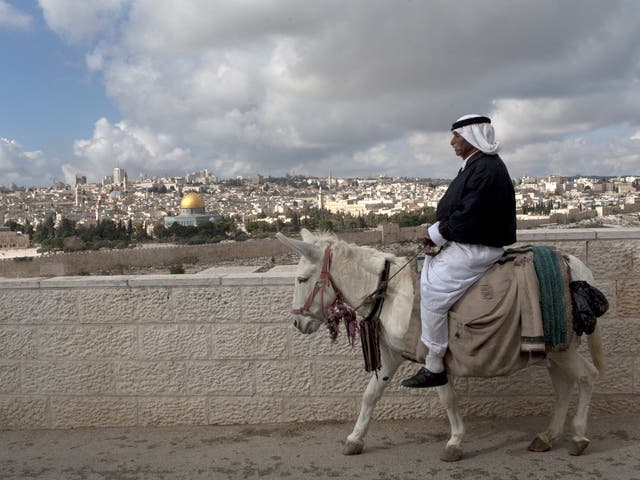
{"points": [[427, 243]]}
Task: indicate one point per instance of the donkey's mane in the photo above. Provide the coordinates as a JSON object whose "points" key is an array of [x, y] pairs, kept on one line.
{"points": [[360, 258]]}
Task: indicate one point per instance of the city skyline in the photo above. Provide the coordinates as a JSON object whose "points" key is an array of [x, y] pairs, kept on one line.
{"points": [[359, 90]]}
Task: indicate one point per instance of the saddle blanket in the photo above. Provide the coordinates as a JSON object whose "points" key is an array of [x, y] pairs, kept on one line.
{"points": [[496, 328]]}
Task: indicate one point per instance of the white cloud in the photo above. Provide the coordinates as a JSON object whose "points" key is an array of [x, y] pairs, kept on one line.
{"points": [[13, 18], [20, 166], [273, 86], [135, 149], [82, 20]]}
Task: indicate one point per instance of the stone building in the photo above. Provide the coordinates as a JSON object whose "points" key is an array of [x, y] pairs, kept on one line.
{"points": [[9, 239], [192, 212]]}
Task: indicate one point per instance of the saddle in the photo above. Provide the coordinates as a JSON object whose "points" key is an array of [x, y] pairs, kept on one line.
{"points": [[497, 327]]}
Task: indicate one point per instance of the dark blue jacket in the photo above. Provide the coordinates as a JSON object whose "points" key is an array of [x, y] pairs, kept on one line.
{"points": [[479, 207]]}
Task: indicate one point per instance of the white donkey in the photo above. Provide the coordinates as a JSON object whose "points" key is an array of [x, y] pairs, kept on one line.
{"points": [[355, 271]]}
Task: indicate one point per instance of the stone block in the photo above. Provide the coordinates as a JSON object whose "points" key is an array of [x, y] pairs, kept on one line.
{"points": [[339, 377], [319, 409], [151, 378], [67, 378], [17, 343], [529, 381], [512, 406], [397, 408], [175, 342], [604, 405], [266, 304], [220, 378], [38, 306], [163, 412], [9, 378], [283, 378], [319, 344], [123, 305], [207, 305], [90, 342], [613, 258], [618, 378], [74, 412], [249, 341], [627, 298], [23, 413], [620, 336], [245, 410]]}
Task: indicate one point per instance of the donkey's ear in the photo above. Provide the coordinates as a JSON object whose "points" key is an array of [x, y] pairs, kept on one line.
{"points": [[305, 249], [307, 236]]}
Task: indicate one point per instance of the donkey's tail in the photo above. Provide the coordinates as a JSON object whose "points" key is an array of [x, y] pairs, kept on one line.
{"points": [[595, 347]]}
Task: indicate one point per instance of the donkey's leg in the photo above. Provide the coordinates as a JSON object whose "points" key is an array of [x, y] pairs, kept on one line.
{"points": [[453, 450], [390, 363], [586, 375], [562, 385]]}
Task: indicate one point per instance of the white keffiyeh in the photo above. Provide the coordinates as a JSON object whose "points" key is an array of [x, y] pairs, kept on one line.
{"points": [[480, 135]]}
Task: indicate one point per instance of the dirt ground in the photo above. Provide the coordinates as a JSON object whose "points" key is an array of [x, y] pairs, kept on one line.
{"points": [[403, 450]]}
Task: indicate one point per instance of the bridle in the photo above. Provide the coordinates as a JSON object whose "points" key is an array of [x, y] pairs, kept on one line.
{"points": [[325, 280]]}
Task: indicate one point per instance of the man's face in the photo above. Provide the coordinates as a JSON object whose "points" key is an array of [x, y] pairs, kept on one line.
{"points": [[462, 148]]}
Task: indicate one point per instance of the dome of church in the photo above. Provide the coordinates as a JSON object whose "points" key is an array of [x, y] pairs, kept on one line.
{"points": [[192, 200]]}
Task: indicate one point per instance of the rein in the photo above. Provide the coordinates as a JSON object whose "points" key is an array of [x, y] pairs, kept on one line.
{"points": [[339, 310]]}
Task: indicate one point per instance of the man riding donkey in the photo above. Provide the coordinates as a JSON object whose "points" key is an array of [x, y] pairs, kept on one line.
{"points": [[476, 218]]}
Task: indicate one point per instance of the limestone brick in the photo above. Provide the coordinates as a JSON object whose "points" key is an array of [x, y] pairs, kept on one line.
{"points": [[91, 342], [9, 378], [38, 306], [150, 378], [528, 381], [627, 298], [619, 336], [614, 405], [207, 305], [319, 409], [17, 343], [23, 412], [283, 378], [250, 342], [174, 342], [613, 258], [68, 378], [266, 304], [220, 378], [396, 408], [241, 410], [162, 412], [122, 305], [339, 377], [618, 378], [508, 406], [319, 344], [73, 412]]}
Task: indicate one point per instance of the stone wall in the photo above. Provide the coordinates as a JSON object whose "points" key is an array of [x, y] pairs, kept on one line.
{"points": [[219, 348]]}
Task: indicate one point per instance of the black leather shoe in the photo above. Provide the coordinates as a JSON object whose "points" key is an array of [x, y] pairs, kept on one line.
{"points": [[425, 379]]}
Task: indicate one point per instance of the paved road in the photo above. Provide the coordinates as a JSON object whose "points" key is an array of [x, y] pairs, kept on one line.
{"points": [[402, 450]]}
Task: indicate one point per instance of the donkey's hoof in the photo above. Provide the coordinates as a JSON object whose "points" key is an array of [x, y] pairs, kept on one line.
{"points": [[451, 454], [578, 447], [539, 445], [353, 448]]}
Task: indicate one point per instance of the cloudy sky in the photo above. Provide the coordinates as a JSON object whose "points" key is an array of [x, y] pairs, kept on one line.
{"points": [[347, 87]]}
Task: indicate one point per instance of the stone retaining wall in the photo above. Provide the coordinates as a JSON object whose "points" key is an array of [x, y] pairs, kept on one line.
{"points": [[219, 348]]}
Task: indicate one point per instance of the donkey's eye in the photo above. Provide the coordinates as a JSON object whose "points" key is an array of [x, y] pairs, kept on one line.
{"points": [[302, 279]]}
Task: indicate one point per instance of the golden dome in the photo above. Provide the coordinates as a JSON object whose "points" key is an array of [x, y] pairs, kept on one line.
{"points": [[192, 200]]}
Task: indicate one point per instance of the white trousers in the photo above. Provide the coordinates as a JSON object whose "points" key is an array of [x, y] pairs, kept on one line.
{"points": [[444, 279]]}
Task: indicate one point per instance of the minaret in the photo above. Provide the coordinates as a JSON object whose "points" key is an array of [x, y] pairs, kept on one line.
{"points": [[320, 199]]}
